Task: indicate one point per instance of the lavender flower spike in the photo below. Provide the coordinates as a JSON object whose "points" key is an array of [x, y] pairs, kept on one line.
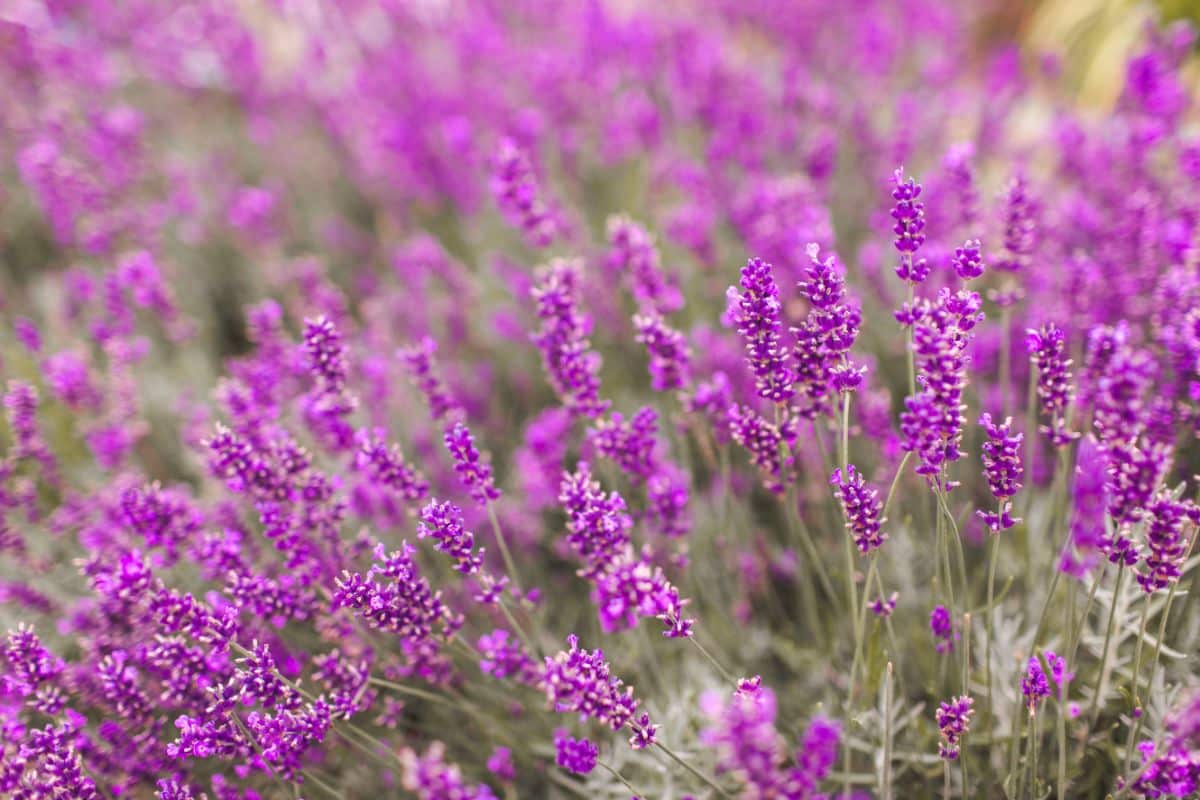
{"points": [[1002, 468], [759, 320], [861, 507]]}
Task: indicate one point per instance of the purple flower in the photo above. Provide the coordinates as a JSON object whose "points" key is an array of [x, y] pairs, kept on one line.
{"points": [[1036, 684], [968, 260], [1020, 226], [631, 443], [394, 598], [909, 227], [500, 764], [431, 778], [758, 316], [762, 441], [443, 522], [632, 588], [1047, 348], [518, 195], [953, 721], [598, 524], [386, 466], [1002, 468], [814, 758], [634, 256], [502, 656], [942, 628], [578, 681], [1166, 544], [824, 339], [932, 422], [861, 508], [473, 469], [422, 368], [562, 339], [743, 734], [574, 755], [670, 356]]}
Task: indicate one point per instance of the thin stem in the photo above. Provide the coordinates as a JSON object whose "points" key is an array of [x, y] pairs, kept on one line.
{"points": [[1060, 726], [711, 783], [966, 688], [1094, 712], [716, 664], [886, 781], [509, 564], [621, 778], [1035, 744], [988, 615], [402, 689]]}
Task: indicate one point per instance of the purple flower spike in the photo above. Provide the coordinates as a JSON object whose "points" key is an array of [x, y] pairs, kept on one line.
{"points": [[1002, 468], [574, 755], [1047, 347], [968, 260], [942, 628], [758, 316], [473, 469], [954, 722], [861, 507], [562, 338]]}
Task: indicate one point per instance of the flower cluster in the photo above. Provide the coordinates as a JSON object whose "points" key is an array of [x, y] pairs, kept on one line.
{"points": [[954, 722], [1002, 468]]}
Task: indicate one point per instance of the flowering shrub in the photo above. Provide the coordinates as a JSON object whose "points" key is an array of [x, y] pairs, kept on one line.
{"points": [[532, 399]]}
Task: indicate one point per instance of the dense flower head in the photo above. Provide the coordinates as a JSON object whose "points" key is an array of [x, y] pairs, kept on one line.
{"points": [[1020, 226], [473, 468], [631, 443], [443, 522], [562, 338], [824, 339], [520, 196], [670, 356], [579, 681], [632, 587], [932, 422], [419, 361], [763, 441], [574, 755], [942, 628], [598, 523], [758, 315], [1036, 685], [1002, 468], [954, 722], [1047, 347], [386, 466], [430, 777], [633, 256], [968, 260], [1166, 543], [861, 508], [909, 216]]}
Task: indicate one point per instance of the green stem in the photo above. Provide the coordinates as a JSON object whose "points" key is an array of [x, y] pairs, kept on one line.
{"points": [[991, 590], [621, 778], [711, 783], [885, 788], [1094, 712], [716, 664], [509, 564]]}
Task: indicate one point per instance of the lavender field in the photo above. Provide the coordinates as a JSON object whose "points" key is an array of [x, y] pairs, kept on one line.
{"points": [[521, 399]]}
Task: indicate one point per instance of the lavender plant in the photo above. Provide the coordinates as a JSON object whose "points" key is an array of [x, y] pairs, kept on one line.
{"points": [[460, 401]]}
